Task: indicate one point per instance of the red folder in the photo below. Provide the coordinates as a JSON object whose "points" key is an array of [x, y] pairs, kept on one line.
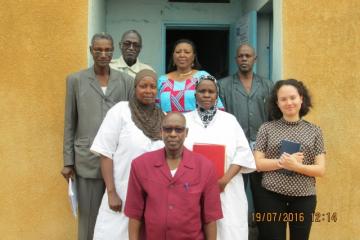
{"points": [[215, 153]]}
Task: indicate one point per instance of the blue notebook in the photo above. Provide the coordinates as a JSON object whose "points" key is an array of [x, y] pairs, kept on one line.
{"points": [[290, 148]]}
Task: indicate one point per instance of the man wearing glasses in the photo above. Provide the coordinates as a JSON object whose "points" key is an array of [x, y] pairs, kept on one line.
{"points": [[173, 192], [130, 46], [90, 93]]}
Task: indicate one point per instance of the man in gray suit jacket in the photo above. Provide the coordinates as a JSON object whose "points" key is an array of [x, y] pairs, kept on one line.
{"points": [[90, 93]]}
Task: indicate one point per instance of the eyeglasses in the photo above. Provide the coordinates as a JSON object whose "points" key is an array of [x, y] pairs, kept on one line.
{"points": [[171, 129], [99, 53], [128, 44]]}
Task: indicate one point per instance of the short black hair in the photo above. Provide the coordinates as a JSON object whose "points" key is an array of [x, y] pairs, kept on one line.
{"points": [[102, 35], [248, 45], [172, 67], [274, 110], [169, 114]]}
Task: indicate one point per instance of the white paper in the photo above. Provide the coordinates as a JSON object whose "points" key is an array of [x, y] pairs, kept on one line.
{"points": [[73, 197]]}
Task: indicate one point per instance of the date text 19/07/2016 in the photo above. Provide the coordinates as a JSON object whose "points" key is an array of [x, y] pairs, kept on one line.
{"points": [[293, 217]]}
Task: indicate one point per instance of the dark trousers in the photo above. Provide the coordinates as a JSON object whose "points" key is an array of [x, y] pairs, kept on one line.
{"points": [[256, 192], [275, 211], [90, 193], [252, 235]]}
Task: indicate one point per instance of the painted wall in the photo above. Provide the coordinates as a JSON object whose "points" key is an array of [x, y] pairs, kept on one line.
{"points": [[278, 48], [40, 42], [250, 5], [277, 44], [148, 18], [96, 21], [321, 47], [264, 23]]}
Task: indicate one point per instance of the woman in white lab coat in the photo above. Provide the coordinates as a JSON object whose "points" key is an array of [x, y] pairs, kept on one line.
{"points": [[209, 125], [128, 130]]}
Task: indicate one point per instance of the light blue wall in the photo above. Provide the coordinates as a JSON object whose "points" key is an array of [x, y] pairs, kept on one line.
{"points": [[277, 41], [96, 21], [277, 46], [251, 5], [148, 17], [263, 42]]}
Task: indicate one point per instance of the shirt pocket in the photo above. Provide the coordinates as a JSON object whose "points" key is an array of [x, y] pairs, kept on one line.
{"points": [[82, 142], [190, 194], [82, 148]]}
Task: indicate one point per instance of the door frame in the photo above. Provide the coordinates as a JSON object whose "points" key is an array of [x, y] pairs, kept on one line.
{"points": [[192, 26]]}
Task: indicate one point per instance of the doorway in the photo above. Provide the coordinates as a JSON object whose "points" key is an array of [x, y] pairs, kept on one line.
{"points": [[212, 47], [265, 40]]}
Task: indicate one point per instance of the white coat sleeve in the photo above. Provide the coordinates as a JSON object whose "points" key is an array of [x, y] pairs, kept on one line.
{"points": [[107, 137], [243, 155]]}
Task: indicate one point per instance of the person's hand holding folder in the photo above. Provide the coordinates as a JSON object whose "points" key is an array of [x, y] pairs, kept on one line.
{"points": [[216, 154], [291, 161], [291, 158], [229, 174]]}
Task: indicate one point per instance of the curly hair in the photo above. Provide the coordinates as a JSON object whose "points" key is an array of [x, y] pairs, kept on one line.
{"points": [[274, 110], [172, 67]]}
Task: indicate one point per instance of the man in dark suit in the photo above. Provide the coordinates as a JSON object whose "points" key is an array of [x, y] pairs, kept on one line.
{"points": [[245, 95], [90, 93]]}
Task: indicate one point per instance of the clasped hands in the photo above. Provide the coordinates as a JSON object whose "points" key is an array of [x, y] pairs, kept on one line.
{"points": [[291, 162]]}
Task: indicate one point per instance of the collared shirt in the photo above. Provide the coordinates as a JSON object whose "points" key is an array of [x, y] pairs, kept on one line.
{"points": [[250, 109], [173, 207], [120, 65]]}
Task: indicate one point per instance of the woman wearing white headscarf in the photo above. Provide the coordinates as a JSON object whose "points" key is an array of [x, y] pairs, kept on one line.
{"points": [[209, 125]]}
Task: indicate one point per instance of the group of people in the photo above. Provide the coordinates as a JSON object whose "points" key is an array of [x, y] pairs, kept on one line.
{"points": [[129, 137]]}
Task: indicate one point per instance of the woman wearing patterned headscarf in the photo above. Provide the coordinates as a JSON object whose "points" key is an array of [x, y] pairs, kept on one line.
{"points": [[207, 125], [128, 130]]}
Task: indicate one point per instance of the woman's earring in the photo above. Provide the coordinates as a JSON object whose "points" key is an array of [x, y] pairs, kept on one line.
{"points": [[192, 64]]}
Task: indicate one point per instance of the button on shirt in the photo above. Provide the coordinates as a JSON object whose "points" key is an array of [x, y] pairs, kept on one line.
{"points": [[250, 109], [173, 207]]}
